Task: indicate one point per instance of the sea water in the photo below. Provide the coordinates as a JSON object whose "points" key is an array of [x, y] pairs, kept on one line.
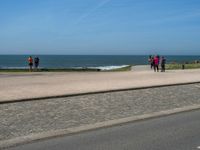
{"points": [[85, 61]]}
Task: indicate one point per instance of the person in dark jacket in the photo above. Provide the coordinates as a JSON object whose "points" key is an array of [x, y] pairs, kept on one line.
{"points": [[150, 60], [36, 62], [163, 62]]}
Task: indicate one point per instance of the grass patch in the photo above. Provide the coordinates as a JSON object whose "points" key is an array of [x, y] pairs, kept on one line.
{"points": [[127, 68], [49, 70], [14, 70], [179, 66], [69, 70]]}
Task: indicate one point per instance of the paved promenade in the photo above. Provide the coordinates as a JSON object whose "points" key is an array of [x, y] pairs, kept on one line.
{"points": [[18, 86], [32, 120]]}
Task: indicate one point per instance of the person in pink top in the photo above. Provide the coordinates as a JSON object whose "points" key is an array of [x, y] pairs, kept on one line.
{"points": [[156, 63]]}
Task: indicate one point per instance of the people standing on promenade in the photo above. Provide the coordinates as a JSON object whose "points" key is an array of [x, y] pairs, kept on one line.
{"points": [[163, 62], [156, 63], [36, 62], [30, 63], [151, 61]]}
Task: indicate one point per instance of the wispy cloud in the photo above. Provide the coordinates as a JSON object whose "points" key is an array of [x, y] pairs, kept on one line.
{"points": [[178, 17], [91, 11]]}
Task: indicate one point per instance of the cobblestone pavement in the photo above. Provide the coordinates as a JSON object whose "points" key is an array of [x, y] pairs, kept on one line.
{"points": [[24, 118]]}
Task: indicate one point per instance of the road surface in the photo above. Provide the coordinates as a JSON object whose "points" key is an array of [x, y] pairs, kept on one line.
{"points": [[175, 132]]}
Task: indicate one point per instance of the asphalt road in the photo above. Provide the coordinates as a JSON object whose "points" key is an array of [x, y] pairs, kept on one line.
{"points": [[175, 132]]}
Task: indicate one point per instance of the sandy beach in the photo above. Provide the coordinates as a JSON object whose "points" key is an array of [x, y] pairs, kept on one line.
{"points": [[22, 86]]}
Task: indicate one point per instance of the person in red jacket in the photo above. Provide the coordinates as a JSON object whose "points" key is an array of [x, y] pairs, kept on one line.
{"points": [[156, 63], [30, 63]]}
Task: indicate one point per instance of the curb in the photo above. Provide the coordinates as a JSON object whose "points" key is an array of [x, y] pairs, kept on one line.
{"points": [[95, 92], [70, 131]]}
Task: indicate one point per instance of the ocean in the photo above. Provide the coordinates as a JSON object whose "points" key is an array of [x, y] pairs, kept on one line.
{"points": [[82, 61]]}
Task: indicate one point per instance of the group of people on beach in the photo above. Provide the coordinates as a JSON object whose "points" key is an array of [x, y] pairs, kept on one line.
{"points": [[35, 62], [156, 61]]}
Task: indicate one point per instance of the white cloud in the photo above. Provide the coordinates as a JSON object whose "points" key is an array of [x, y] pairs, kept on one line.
{"points": [[91, 11]]}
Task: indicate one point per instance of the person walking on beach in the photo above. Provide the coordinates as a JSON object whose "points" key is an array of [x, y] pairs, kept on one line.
{"points": [[156, 63], [30, 63], [36, 62], [163, 62]]}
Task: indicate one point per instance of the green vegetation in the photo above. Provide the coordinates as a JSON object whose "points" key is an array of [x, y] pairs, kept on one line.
{"points": [[127, 68], [14, 70], [180, 66], [68, 70], [49, 70]]}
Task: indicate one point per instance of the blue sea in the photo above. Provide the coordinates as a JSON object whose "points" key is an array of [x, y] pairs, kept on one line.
{"points": [[73, 61]]}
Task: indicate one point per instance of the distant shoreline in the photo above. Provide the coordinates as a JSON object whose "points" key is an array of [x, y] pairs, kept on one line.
{"points": [[85, 61], [172, 66], [78, 69]]}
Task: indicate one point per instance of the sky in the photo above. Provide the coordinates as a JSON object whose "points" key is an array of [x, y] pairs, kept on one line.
{"points": [[100, 27]]}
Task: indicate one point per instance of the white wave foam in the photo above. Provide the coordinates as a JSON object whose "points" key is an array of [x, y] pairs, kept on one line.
{"points": [[109, 67]]}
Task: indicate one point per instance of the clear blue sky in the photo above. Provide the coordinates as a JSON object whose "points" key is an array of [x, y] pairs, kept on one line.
{"points": [[100, 27]]}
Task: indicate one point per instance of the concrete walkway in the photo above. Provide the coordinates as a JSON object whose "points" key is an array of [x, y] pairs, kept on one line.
{"points": [[22, 86], [140, 68]]}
